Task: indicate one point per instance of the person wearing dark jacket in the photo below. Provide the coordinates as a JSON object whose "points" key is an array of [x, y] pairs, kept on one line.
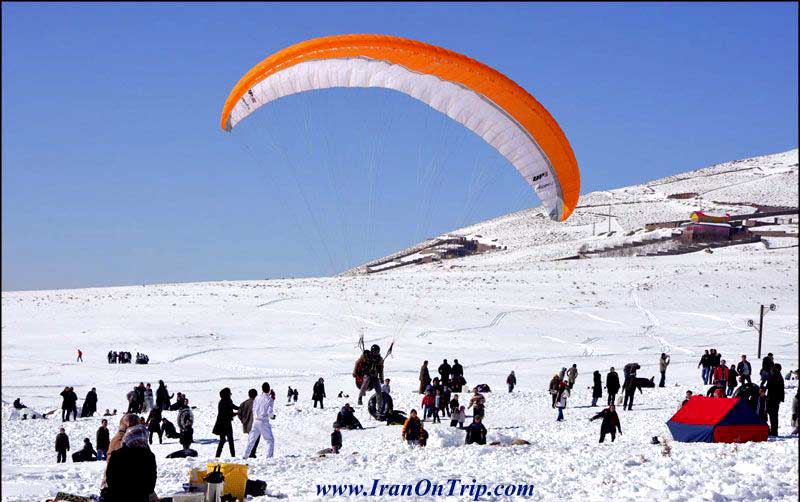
{"points": [[85, 454], [597, 387], [318, 393], [336, 439], [62, 446], [511, 380], [612, 385], [163, 396], [102, 440], [245, 415], [610, 424], [154, 425], [761, 404], [424, 377], [732, 375], [169, 429], [630, 391], [554, 388], [131, 472], [476, 432], [222, 427], [457, 376], [705, 362], [18, 404], [89, 404], [766, 368], [140, 396], [66, 404], [744, 369], [444, 372], [775, 396]]}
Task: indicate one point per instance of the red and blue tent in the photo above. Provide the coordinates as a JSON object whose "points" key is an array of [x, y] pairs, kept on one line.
{"points": [[717, 420]]}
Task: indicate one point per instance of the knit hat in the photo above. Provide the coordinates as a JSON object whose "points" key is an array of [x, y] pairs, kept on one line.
{"points": [[136, 437]]}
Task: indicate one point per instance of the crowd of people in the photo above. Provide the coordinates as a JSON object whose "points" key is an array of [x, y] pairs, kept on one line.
{"points": [[764, 398], [128, 451], [122, 357]]}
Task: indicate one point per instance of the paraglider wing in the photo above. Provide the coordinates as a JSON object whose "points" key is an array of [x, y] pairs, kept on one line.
{"points": [[471, 93]]}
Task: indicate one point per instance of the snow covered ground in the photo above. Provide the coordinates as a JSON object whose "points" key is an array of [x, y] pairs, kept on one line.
{"points": [[503, 311]]}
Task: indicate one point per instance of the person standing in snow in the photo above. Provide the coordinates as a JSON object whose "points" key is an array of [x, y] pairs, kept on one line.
{"points": [[663, 362], [336, 439], [444, 372], [186, 425], [102, 440], [437, 400], [149, 403], [511, 380], [766, 368], [223, 428], [775, 396], [386, 387], [154, 425], [630, 391], [731, 380], [477, 404], [476, 432], [424, 377], [562, 400], [318, 393], [454, 408], [245, 415], [555, 386], [705, 362], [610, 424], [89, 407], [295, 395], [66, 404], [457, 376], [612, 385], [597, 387], [744, 369], [289, 395], [721, 375], [80, 356], [262, 413], [427, 404], [796, 413], [62, 446], [163, 396], [572, 375]]}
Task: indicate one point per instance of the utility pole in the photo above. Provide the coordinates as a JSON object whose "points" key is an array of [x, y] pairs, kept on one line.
{"points": [[609, 219], [763, 310]]}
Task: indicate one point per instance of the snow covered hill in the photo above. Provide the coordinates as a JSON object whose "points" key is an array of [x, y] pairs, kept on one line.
{"points": [[502, 311]]}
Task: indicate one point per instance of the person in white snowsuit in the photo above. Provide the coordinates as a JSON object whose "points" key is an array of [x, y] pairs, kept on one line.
{"points": [[262, 412]]}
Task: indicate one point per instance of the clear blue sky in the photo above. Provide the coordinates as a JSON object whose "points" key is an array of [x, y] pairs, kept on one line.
{"points": [[115, 170]]}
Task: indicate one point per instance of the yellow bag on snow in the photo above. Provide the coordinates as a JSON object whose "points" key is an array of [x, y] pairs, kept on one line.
{"points": [[235, 478]]}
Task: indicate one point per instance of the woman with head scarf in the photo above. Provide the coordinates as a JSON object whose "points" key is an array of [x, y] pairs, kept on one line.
{"points": [[226, 410], [131, 472]]}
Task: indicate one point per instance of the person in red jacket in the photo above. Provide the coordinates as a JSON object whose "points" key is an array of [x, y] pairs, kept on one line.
{"points": [[721, 374]]}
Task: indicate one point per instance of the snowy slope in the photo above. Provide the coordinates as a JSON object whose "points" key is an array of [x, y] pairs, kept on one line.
{"points": [[494, 312]]}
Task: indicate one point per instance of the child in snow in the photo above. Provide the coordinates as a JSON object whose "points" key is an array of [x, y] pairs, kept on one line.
{"points": [[295, 395], [336, 439], [462, 415], [436, 402], [412, 429], [62, 446], [102, 440], [289, 395]]}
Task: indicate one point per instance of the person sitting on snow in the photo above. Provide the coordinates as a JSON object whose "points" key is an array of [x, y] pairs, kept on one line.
{"points": [[85, 454], [18, 405]]}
